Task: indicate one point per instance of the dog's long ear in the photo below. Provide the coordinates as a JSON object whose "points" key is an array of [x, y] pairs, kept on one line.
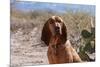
{"points": [[64, 33], [46, 34]]}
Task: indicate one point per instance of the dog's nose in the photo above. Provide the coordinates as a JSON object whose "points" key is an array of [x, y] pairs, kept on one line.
{"points": [[57, 29]]}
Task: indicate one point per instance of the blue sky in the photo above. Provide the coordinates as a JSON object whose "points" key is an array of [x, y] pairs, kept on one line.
{"points": [[58, 7]]}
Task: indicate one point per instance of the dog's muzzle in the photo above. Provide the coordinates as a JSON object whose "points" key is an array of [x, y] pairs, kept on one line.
{"points": [[57, 30]]}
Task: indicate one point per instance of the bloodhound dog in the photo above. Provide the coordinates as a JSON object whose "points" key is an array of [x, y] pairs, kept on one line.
{"points": [[54, 35]]}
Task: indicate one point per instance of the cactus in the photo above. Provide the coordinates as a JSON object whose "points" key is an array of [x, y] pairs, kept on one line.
{"points": [[88, 44]]}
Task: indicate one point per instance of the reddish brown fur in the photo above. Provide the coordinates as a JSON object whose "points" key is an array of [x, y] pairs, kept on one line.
{"points": [[59, 49], [46, 32]]}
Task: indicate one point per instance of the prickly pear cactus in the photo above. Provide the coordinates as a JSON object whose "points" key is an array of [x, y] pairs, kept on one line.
{"points": [[87, 48]]}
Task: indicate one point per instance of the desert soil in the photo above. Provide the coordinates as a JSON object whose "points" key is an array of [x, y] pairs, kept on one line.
{"points": [[27, 48]]}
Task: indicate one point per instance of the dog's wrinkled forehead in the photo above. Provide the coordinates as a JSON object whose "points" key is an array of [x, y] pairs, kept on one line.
{"points": [[57, 19]]}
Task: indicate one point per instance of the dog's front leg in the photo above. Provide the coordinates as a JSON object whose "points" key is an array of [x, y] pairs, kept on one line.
{"points": [[76, 57]]}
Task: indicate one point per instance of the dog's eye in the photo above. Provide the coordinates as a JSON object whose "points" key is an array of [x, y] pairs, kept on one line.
{"points": [[58, 21], [51, 22]]}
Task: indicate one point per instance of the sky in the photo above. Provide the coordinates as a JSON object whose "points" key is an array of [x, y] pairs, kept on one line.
{"points": [[57, 7]]}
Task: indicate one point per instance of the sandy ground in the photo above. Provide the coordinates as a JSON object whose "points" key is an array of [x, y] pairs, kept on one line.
{"points": [[27, 48]]}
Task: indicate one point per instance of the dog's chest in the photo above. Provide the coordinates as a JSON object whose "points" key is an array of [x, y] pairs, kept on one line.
{"points": [[60, 55]]}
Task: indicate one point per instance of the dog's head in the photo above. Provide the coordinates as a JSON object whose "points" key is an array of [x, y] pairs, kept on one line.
{"points": [[53, 27]]}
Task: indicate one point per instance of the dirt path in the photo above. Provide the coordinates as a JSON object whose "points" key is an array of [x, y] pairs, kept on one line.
{"points": [[26, 49]]}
